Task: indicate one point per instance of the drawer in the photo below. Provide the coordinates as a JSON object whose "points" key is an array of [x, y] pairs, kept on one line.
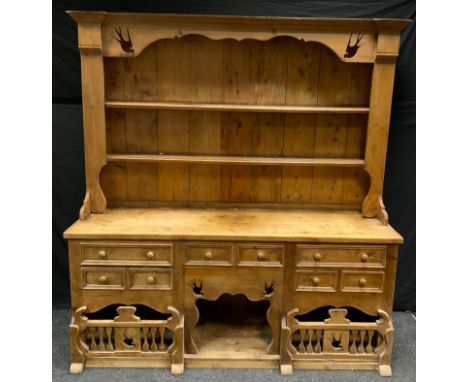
{"points": [[127, 253], [317, 281], [317, 255], [209, 254], [355, 281], [260, 255], [141, 278], [103, 278]]}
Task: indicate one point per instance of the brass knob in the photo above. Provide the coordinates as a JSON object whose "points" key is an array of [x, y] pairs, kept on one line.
{"points": [[260, 255], [364, 257], [150, 255], [102, 254], [315, 281], [150, 280], [208, 255], [102, 279], [362, 282], [317, 257]]}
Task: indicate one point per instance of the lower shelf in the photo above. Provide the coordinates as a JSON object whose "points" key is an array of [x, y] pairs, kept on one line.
{"points": [[222, 340]]}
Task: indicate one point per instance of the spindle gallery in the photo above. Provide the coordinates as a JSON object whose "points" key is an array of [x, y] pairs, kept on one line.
{"points": [[233, 214]]}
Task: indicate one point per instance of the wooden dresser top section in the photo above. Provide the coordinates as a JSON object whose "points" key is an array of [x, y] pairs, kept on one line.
{"points": [[233, 224]]}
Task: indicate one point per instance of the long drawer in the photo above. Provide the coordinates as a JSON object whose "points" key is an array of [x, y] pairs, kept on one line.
{"points": [[159, 254], [339, 255]]}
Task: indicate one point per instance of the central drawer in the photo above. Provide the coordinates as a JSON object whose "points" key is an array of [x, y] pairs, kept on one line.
{"points": [[260, 255], [209, 254]]}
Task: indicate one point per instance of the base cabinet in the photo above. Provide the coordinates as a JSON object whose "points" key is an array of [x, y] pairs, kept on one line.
{"points": [[245, 304]]}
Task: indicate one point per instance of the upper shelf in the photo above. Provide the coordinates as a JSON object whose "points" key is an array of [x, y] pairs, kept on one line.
{"points": [[237, 107]]}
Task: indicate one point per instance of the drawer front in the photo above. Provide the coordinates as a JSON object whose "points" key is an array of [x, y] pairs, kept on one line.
{"points": [[355, 281], [103, 278], [141, 278], [260, 255], [209, 254], [151, 254], [316, 256], [317, 281]]}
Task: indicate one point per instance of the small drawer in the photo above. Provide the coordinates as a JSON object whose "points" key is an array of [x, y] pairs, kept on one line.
{"points": [[209, 254], [355, 281], [317, 281], [260, 255], [103, 278], [141, 278], [317, 255], [127, 253]]}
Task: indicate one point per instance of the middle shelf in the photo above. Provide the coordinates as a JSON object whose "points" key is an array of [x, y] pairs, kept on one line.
{"points": [[246, 160]]}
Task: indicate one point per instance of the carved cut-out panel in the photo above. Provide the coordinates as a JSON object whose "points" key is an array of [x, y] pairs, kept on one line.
{"points": [[312, 335], [120, 329]]}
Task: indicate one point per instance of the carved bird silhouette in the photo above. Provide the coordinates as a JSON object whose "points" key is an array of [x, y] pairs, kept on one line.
{"points": [[269, 289], [197, 289], [126, 45], [351, 50]]}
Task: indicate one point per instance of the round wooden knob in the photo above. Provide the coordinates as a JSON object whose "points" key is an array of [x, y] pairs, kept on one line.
{"points": [[260, 255], [102, 254], [315, 281], [102, 279], [150, 255], [364, 257], [362, 282], [150, 280], [317, 257], [208, 255]]}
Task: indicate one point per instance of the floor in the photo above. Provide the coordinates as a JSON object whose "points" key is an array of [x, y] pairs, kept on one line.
{"points": [[403, 364]]}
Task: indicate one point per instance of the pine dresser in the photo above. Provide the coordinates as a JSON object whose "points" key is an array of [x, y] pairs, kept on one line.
{"points": [[233, 214]]}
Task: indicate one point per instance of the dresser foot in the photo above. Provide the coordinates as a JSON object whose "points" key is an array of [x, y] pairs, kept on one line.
{"points": [[76, 367], [177, 368], [286, 369], [385, 371]]}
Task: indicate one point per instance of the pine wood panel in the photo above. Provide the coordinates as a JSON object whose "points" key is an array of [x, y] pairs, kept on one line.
{"points": [[205, 137], [356, 181], [236, 130], [299, 141], [142, 137], [205, 127], [281, 71], [299, 131], [173, 138]]}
